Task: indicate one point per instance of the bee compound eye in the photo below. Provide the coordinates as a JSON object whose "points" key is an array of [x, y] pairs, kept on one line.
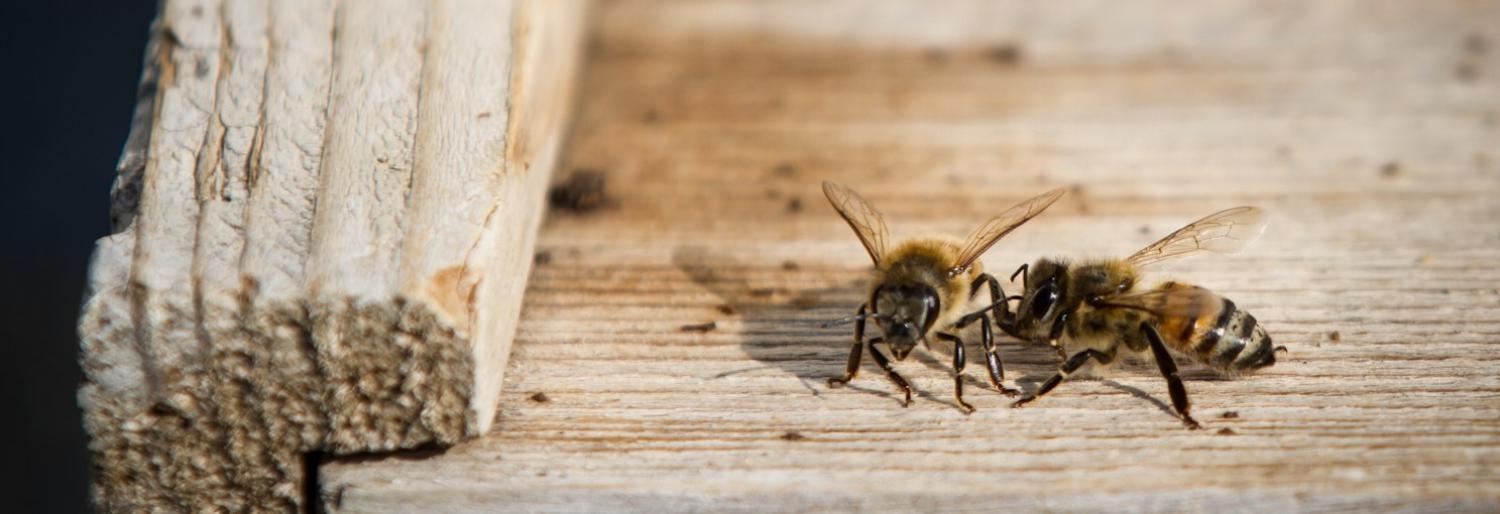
{"points": [[1042, 303], [931, 307]]}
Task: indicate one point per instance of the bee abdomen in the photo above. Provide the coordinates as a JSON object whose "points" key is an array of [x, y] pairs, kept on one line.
{"points": [[1236, 342]]}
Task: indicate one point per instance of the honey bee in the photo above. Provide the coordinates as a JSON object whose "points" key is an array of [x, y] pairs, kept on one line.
{"points": [[1095, 308], [922, 287]]}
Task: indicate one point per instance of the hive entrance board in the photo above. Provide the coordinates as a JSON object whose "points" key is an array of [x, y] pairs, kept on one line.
{"points": [[1366, 131]]}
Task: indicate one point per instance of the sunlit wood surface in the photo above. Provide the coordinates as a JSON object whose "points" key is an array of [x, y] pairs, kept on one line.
{"points": [[1369, 131]]}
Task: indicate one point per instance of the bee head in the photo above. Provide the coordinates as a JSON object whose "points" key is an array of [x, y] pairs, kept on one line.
{"points": [[904, 313], [1042, 303]]}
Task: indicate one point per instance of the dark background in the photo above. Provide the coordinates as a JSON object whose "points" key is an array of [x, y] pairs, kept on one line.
{"points": [[69, 88]]}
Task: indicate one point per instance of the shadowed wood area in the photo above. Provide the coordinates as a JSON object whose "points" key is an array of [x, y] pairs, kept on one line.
{"points": [[669, 356]]}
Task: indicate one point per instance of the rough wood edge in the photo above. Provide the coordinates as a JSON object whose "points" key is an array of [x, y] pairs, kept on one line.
{"points": [[550, 37], [206, 358]]}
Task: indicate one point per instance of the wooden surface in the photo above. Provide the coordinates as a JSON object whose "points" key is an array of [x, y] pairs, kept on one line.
{"points": [[323, 221], [1368, 131]]}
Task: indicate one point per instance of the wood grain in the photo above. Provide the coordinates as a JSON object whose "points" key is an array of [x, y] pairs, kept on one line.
{"points": [[355, 258], [272, 393], [317, 202], [1366, 130]]}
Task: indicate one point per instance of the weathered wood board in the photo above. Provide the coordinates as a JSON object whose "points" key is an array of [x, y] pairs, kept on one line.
{"points": [[1369, 131], [324, 219]]}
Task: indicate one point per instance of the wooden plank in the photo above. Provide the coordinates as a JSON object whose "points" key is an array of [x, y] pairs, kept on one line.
{"points": [[547, 65], [459, 170], [283, 414], [223, 185], [357, 227], [1367, 130], [269, 390], [161, 289], [497, 87], [326, 219]]}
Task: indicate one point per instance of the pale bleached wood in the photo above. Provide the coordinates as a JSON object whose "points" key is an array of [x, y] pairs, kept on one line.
{"points": [[549, 54], [465, 187], [469, 186], [167, 218], [194, 471], [1349, 122], [234, 131], [114, 390], [276, 357], [359, 222], [458, 180], [270, 309]]}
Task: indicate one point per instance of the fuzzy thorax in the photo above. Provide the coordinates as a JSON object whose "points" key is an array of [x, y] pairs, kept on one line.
{"points": [[926, 261]]}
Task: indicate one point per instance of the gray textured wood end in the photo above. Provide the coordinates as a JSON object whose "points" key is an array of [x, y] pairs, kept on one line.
{"points": [[325, 215]]}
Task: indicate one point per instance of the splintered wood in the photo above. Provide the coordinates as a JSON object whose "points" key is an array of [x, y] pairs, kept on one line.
{"points": [[323, 222], [669, 356]]}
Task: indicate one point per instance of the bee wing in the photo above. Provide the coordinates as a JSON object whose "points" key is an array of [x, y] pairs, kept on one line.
{"points": [[982, 238], [867, 222], [1226, 231], [1188, 301]]}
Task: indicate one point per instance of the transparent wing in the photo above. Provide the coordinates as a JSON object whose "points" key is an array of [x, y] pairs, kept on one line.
{"points": [[982, 238], [1177, 301], [1226, 231], [867, 222]]}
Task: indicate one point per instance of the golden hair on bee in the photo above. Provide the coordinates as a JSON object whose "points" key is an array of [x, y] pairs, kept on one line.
{"points": [[1097, 309], [921, 287]]}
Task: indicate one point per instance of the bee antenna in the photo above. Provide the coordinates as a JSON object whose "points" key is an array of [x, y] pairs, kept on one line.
{"points": [[1001, 302], [837, 322], [1023, 271], [850, 319]]}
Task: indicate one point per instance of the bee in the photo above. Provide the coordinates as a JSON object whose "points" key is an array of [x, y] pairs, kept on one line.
{"points": [[922, 287], [1097, 308]]}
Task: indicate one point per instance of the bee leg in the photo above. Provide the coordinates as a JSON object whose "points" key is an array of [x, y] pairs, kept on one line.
{"points": [[958, 370], [997, 293], [987, 336], [1055, 337], [1068, 368], [890, 372], [1169, 371], [993, 363], [852, 368], [992, 357]]}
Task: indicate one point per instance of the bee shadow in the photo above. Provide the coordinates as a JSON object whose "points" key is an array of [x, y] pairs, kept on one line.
{"points": [[782, 319], [1138, 393], [1030, 383], [779, 318]]}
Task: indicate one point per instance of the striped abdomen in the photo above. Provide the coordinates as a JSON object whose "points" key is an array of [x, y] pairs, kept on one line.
{"points": [[1215, 332]]}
